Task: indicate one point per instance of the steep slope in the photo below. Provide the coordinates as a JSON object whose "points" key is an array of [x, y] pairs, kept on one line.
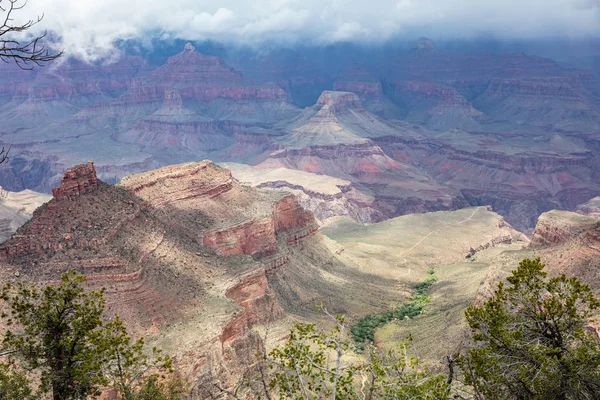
{"points": [[332, 138], [370, 92], [190, 259], [218, 91], [174, 128]]}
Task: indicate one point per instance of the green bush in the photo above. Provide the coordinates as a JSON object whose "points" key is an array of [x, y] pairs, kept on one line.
{"points": [[364, 330]]}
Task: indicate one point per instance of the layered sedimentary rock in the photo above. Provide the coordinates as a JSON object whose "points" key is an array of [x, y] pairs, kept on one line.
{"points": [[560, 226], [185, 252], [334, 138], [534, 148], [436, 106], [370, 92], [555, 101], [324, 195], [495, 169], [78, 180]]}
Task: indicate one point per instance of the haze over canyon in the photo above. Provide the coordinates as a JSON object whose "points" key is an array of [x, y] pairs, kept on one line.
{"points": [[240, 165]]}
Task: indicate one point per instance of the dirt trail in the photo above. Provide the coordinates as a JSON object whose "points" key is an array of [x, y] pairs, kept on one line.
{"points": [[437, 230]]}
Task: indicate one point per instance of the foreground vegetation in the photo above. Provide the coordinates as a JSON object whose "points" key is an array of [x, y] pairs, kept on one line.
{"points": [[56, 344], [531, 340]]}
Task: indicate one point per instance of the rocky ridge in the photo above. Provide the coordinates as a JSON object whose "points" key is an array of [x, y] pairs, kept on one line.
{"points": [[184, 247]]}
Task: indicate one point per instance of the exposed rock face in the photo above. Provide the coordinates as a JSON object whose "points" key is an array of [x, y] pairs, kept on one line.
{"points": [[174, 184], [253, 237], [181, 249], [78, 180], [370, 92], [555, 101], [511, 130], [258, 302], [560, 226], [487, 169], [324, 195], [334, 138]]}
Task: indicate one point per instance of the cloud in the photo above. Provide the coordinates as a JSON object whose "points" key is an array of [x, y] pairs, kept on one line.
{"points": [[89, 28]]}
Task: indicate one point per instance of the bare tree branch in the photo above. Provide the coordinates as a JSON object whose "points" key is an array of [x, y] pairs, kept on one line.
{"points": [[26, 54]]}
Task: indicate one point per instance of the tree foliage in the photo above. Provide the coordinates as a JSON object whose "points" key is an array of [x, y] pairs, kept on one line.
{"points": [[313, 364], [14, 384], [364, 330], [532, 341], [58, 334], [56, 331]]}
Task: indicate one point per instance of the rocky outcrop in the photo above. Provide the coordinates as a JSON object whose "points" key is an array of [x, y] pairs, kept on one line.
{"points": [[258, 302], [78, 180], [259, 237], [172, 184], [251, 238], [186, 254], [559, 227], [204, 78]]}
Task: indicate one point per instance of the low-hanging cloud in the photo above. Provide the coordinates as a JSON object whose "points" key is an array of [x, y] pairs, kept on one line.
{"points": [[90, 28]]}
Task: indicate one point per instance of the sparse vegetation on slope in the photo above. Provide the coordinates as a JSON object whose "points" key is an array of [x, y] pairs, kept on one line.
{"points": [[314, 364]]}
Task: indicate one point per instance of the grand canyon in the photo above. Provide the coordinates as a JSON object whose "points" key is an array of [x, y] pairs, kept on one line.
{"points": [[219, 193]]}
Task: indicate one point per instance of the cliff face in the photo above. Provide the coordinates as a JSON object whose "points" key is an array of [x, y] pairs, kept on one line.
{"points": [[558, 101], [335, 138], [436, 106], [555, 227], [486, 169], [422, 131], [181, 245], [79, 180]]}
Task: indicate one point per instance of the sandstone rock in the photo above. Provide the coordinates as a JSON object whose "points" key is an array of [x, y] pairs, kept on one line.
{"points": [[560, 226], [78, 180]]}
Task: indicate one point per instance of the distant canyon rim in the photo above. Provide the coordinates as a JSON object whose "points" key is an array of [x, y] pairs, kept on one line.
{"points": [[417, 131]]}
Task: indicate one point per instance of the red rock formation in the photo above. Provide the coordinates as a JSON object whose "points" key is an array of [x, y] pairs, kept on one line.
{"points": [[253, 237], [78, 180], [178, 183], [258, 303], [560, 226]]}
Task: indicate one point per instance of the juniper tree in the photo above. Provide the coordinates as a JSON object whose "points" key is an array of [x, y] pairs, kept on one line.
{"points": [[531, 339], [58, 334]]}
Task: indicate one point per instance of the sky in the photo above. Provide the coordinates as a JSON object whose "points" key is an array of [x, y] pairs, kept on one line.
{"points": [[90, 28]]}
